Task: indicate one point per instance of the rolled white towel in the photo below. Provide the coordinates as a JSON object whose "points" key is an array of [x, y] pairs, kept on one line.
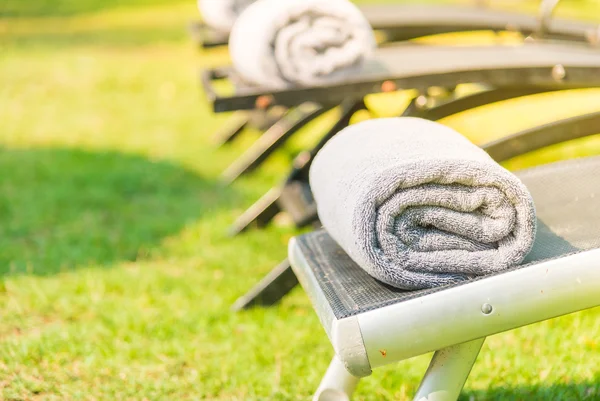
{"points": [[222, 14], [416, 205], [302, 42]]}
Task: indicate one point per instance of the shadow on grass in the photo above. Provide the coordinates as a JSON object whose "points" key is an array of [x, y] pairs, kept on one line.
{"points": [[555, 392], [64, 208]]}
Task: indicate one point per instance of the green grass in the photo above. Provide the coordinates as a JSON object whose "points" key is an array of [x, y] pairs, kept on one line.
{"points": [[115, 272], [44, 8]]}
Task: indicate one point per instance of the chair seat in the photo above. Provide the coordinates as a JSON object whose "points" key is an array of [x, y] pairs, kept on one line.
{"points": [[371, 324], [529, 65]]}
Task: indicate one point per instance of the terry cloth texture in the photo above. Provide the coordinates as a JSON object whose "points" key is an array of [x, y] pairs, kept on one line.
{"points": [[416, 205], [222, 14], [277, 43]]}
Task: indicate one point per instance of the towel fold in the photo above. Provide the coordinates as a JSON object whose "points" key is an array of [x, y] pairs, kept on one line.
{"points": [[222, 14], [417, 205], [302, 42]]}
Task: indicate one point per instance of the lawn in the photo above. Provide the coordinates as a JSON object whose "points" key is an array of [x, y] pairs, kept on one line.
{"points": [[116, 274]]}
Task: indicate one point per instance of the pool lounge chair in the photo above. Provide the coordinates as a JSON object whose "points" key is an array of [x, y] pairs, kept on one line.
{"points": [[529, 66], [371, 324], [282, 279], [404, 22]]}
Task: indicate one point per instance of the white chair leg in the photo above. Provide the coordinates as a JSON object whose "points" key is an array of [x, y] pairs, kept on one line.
{"points": [[337, 384], [448, 372]]}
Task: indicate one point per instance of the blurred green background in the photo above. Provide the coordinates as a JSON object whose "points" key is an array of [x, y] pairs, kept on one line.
{"points": [[116, 275]]}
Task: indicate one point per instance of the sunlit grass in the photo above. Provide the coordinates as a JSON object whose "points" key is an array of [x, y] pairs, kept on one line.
{"points": [[116, 273]]}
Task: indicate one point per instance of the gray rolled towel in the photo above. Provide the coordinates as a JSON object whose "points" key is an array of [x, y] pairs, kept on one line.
{"points": [[222, 14], [302, 42], [417, 205]]}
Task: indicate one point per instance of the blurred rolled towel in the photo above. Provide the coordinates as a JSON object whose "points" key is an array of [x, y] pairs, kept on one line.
{"points": [[302, 42], [417, 205], [222, 14]]}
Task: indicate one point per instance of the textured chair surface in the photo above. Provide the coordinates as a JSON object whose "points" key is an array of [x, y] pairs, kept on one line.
{"points": [[567, 200]]}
